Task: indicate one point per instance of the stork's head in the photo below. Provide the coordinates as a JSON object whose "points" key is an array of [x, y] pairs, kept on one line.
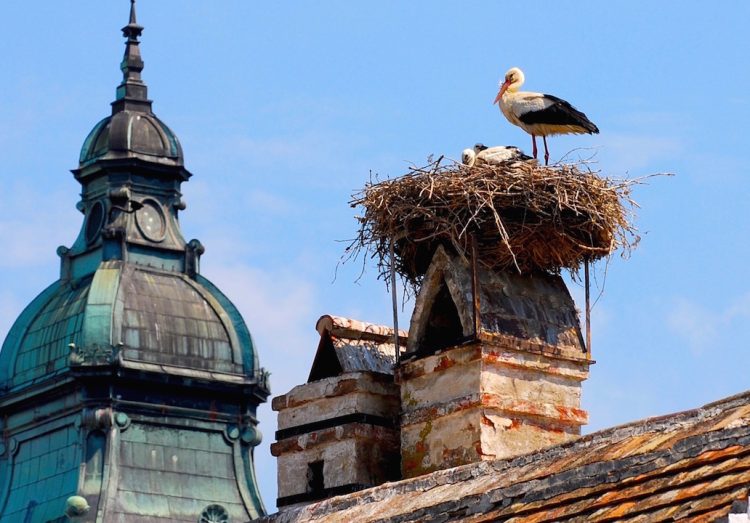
{"points": [[468, 157], [512, 82]]}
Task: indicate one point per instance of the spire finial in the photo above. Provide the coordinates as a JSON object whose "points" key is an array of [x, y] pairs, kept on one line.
{"points": [[132, 93], [132, 30]]}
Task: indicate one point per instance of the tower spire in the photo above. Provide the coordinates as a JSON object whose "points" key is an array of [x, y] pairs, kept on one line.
{"points": [[132, 93]]}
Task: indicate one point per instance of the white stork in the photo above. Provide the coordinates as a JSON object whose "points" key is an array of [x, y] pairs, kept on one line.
{"points": [[492, 155], [539, 114]]}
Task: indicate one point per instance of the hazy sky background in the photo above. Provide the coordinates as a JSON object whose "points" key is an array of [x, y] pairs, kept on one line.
{"points": [[283, 109]]}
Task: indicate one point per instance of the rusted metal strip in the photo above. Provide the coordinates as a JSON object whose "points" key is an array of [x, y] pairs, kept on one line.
{"points": [[475, 286], [588, 307], [394, 299]]}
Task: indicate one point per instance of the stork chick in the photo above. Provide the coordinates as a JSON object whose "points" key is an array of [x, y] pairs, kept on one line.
{"points": [[492, 155]]}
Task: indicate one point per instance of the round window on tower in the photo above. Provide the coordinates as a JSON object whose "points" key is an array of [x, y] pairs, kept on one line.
{"points": [[150, 220], [214, 514], [94, 222]]}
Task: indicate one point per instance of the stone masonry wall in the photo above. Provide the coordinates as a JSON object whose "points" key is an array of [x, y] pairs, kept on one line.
{"points": [[482, 401]]}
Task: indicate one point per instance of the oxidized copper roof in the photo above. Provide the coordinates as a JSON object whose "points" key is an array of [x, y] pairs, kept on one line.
{"points": [[131, 134], [134, 316], [685, 466], [37, 348], [132, 131], [130, 385]]}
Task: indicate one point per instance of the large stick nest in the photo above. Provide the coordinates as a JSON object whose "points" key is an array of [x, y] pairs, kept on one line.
{"points": [[524, 217]]}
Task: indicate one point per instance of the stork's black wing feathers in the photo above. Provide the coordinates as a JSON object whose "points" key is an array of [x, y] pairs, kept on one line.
{"points": [[559, 113]]}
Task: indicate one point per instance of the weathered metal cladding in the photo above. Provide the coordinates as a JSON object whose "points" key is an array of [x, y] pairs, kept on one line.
{"points": [[348, 345], [534, 308], [129, 388], [537, 308], [39, 470], [167, 319], [130, 463], [132, 134], [365, 355], [37, 346], [132, 131], [208, 395], [128, 313], [175, 471]]}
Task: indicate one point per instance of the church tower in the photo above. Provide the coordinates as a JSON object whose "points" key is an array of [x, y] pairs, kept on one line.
{"points": [[129, 387]]}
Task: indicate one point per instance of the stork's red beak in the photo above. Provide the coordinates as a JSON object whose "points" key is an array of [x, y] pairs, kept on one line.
{"points": [[500, 94]]}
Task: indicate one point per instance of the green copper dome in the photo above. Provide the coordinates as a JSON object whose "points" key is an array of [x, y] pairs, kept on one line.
{"points": [[131, 134], [131, 384], [131, 316], [132, 131]]}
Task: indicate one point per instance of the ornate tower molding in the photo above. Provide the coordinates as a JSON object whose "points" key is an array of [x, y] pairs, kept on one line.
{"points": [[129, 387]]}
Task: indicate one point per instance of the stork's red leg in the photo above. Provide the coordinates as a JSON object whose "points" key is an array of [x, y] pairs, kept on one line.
{"points": [[533, 143], [546, 152]]}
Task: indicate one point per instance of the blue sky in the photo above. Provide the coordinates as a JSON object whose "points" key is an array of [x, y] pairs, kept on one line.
{"points": [[284, 108]]}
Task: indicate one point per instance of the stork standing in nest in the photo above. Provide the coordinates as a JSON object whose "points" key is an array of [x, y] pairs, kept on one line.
{"points": [[539, 114]]}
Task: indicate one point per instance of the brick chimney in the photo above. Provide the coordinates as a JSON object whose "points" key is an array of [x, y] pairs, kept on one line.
{"points": [[493, 368], [338, 432]]}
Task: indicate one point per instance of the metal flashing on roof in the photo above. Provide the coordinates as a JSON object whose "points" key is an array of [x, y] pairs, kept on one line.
{"points": [[530, 308], [348, 345]]}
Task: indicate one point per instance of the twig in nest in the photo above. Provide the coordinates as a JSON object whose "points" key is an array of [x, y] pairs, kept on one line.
{"points": [[525, 217]]}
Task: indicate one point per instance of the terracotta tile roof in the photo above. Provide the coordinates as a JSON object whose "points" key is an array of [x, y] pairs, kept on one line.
{"points": [[686, 466]]}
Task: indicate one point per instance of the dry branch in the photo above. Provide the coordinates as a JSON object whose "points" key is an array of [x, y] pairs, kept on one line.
{"points": [[525, 217]]}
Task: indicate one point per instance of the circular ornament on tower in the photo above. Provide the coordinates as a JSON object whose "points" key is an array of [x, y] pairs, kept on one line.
{"points": [[214, 514], [94, 222], [151, 221]]}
